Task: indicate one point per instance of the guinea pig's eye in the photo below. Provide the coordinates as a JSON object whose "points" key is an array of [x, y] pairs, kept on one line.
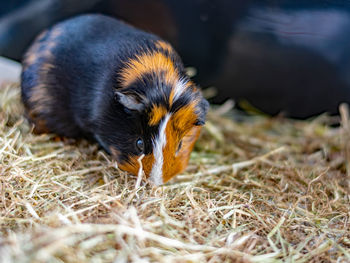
{"points": [[179, 147], [140, 145]]}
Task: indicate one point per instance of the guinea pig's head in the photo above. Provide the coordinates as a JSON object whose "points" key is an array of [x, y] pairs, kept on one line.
{"points": [[164, 133], [161, 121]]}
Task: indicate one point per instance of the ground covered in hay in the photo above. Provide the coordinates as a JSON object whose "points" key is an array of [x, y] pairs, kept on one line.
{"points": [[257, 189]]}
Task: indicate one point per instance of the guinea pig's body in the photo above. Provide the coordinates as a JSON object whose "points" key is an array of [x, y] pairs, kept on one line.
{"points": [[96, 77]]}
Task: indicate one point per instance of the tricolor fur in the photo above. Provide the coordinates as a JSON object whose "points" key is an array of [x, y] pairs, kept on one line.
{"points": [[116, 84]]}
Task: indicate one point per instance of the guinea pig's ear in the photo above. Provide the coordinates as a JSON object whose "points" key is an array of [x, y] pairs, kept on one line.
{"points": [[129, 101], [202, 110]]}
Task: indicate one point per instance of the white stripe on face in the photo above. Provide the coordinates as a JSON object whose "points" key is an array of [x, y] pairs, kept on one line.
{"points": [[179, 88], [156, 175]]}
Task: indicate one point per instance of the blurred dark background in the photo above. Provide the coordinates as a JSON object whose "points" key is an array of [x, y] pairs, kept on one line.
{"points": [[284, 56]]}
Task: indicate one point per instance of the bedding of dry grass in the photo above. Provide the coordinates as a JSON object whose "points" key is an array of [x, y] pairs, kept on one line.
{"points": [[258, 189]]}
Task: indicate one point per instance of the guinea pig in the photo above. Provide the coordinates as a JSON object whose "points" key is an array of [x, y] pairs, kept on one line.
{"points": [[96, 77]]}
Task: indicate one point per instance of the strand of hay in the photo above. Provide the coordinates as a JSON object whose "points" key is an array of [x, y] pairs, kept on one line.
{"points": [[256, 190]]}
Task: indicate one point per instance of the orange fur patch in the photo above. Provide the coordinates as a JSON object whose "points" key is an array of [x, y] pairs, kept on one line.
{"points": [[133, 166], [164, 46], [33, 54], [172, 164], [156, 63], [157, 113], [40, 99], [185, 117]]}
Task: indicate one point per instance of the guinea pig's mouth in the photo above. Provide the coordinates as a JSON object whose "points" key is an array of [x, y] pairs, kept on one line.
{"points": [[155, 179], [153, 168]]}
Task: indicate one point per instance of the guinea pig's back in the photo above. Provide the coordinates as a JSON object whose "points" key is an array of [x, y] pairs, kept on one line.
{"points": [[69, 69]]}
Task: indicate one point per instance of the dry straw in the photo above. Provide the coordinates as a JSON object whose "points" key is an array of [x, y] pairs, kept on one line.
{"points": [[257, 190]]}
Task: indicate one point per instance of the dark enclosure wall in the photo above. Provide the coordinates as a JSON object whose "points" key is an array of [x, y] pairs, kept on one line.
{"points": [[280, 56]]}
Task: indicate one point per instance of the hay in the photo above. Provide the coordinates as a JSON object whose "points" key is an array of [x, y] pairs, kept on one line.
{"points": [[256, 190]]}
